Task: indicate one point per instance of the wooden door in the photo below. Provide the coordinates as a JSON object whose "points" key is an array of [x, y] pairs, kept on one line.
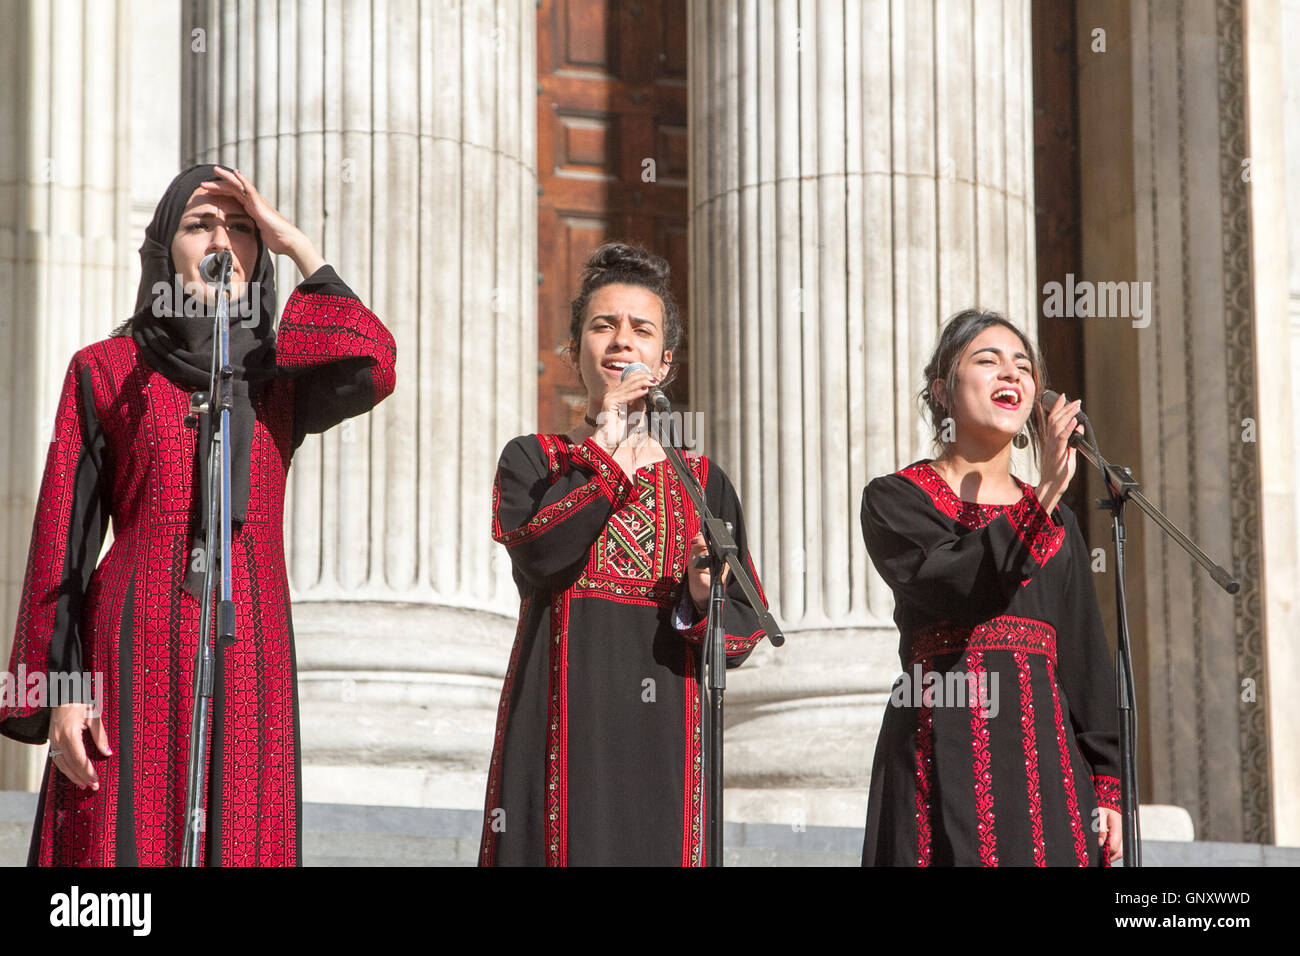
{"points": [[611, 150]]}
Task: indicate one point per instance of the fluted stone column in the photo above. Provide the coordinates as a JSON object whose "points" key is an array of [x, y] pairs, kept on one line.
{"points": [[861, 170], [1181, 125], [401, 137], [65, 255]]}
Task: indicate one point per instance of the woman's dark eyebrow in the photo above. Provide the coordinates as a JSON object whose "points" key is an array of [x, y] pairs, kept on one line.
{"points": [[209, 215], [997, 351], [635, 318]]}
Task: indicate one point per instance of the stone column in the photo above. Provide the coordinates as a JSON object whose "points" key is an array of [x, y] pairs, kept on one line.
{"points": [[1264, 27], [1186, 194], [401, 137], [65, 255], [861, 170]]}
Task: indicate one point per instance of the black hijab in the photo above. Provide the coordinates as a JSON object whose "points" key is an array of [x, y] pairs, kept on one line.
{"points": [[180, 346]]}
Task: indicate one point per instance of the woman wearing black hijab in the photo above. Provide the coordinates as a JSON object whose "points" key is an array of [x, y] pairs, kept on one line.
{"points": [[114, 788]]}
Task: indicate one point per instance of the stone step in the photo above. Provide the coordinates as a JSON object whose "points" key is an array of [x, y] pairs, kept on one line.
{"points": [[353, 835]]}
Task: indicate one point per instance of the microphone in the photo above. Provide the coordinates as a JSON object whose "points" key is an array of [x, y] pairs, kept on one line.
{"points": [[215, 266], [1049, 399], [656, 394]]}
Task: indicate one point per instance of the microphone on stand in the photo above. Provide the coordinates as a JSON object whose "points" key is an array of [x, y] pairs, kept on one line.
{"points": [[656, 395], [1076, 440], [214, 266]]}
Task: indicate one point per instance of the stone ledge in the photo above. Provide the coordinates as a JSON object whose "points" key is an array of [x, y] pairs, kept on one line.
{"points": [[357, 835]]}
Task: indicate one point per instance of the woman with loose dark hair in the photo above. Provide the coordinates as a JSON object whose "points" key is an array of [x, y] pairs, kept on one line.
{"points": [[1000, 742], [597, 751], [114, 786]]}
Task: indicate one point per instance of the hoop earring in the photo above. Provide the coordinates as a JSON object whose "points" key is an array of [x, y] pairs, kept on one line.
{"points": [[1021, 440]]}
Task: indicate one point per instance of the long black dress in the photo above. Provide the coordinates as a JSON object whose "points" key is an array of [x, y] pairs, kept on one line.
{"points": [[597, 753], [1001, 595]]}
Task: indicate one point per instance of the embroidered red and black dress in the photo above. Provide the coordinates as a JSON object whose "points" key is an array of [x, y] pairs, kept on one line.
{"points": [[1001, 738], [121, 451], [597, 758]]}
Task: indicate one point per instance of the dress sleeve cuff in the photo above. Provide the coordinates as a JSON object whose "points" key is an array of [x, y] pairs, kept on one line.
{"points": [[684, 618], [319, 327], [325, 281], [1041, 536], [1108, 792], [609, 474]]}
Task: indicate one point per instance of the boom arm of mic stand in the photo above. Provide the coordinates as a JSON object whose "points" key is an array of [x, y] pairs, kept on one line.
{"points": [[1121, 480], [720, 539]]}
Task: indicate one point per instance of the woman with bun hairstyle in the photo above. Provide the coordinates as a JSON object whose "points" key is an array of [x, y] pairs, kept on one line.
{"points": [[114, 786], [596, 759], [1000, 742]]}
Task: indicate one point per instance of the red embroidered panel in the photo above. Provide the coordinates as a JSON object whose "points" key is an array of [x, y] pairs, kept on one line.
{"points": [[693, 849], [609, 473], [560, 455], [316, 328], [1035, 529], [1002, 633], [548, 517], [557, 738], [147, 680], [1029, 735], [640, 556], [1067, 773], [924, 773], [982, 765], [1108, 792], [1033, 525], [969, 513], [488, 844]]}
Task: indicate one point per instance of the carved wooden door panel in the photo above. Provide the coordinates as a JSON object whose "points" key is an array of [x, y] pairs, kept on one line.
{"points": [[611, 149]]}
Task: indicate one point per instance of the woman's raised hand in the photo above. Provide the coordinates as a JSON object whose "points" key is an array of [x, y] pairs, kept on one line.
{"points": [[612, 420], [1058, 455], [279, 235], [698, 580]]}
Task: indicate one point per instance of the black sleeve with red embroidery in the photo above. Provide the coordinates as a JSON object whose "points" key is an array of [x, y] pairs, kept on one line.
{"points": [[550, 505], [67, 533], [739, 619], [341, 357], [926, 561], [1087, 669]]}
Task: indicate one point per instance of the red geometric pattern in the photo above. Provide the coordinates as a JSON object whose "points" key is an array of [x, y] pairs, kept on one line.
{"points": [[608, 480], [316, 329], [734, 644], [1040, 536], [488, 843], [45, 560], [1034, 526], [1030, 736], [640, 555], [924, 774], [1108, 793], [1067, 773], [693, 848], [1002, 633], [609, 473], [982, 765], [148, 476], [546, 518], [557, 737], [629, 547]]}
